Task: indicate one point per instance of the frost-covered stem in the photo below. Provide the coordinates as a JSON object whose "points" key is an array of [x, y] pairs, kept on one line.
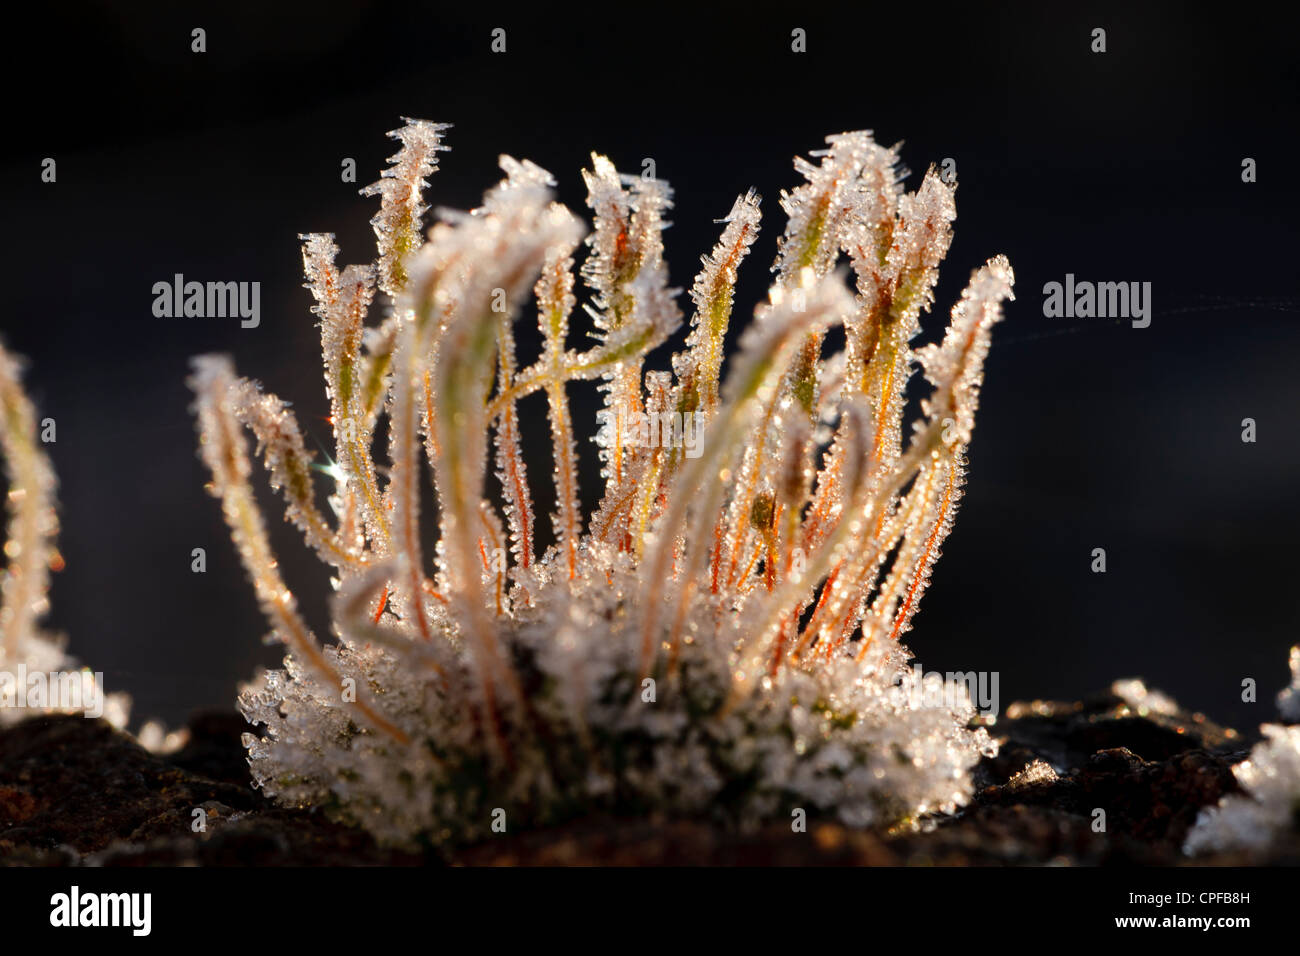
{"points": [[567, 521], [598, 362], [919, 507], [819, 212], [955, 368], [29, 543], [827, 498], [504, 247], [223, 450], [510, 460], [462, 355], [625, 400], [397, 225], [850, 574], [895, 297], [491, 541], [353, 427], [429, 419], [613, 264], [919, 574], [741, 510], [860, 512], [699, 485], [404, 484], [645, 491], [375, 368], [627, 275], [342, 301], [555, 301], [713, 294], [290, 467]]}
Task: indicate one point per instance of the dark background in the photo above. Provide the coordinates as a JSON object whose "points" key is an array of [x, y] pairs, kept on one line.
{"points": [[1123, 166]]}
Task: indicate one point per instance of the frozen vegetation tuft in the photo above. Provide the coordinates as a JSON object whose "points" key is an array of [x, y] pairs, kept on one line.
{"points": [[721, 636]]}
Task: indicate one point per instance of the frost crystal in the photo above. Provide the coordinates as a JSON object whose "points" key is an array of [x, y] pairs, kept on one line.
{"points": [[1271, 779], [1254, 820], [1288, 701], [722, 638], [1141, 699]]}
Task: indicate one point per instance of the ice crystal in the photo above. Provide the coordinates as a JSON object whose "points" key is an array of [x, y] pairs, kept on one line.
{"points": [[1288, 700], [1271, 778], [1268, 808], [722, 638], [30, 549], [1141, 699]]}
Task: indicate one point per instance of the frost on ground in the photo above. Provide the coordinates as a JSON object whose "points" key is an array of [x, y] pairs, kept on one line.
{"points": [[1288, 701], [842, 740], [1271, 778], [721, 636], [1253, 820], [36, 675]]}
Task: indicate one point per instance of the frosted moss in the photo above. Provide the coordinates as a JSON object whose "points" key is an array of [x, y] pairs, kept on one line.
{"points": [[721, 636]]}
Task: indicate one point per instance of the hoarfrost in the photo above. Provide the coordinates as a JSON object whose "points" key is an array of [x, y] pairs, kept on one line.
{"points": [[722, 639]]}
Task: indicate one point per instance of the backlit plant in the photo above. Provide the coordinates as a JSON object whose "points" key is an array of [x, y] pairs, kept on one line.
{"points": [[32, 526], [36, 675], [720, 637]]}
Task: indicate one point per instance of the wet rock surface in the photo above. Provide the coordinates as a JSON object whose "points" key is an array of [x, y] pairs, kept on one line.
{"points": [[75, 792]]}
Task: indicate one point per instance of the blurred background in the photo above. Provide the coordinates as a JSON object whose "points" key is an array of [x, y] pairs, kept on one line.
{"points": [[1123, 166]]}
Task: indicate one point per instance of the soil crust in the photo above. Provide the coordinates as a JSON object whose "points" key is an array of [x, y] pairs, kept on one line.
{"points": [[75, 792]]}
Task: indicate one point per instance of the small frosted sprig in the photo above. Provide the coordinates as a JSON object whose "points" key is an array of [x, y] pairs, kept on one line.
{"points": [[32, 525], [833, 200], [223, 404], [401, 187], [30, 550], [713, 294], [633, 312]]}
